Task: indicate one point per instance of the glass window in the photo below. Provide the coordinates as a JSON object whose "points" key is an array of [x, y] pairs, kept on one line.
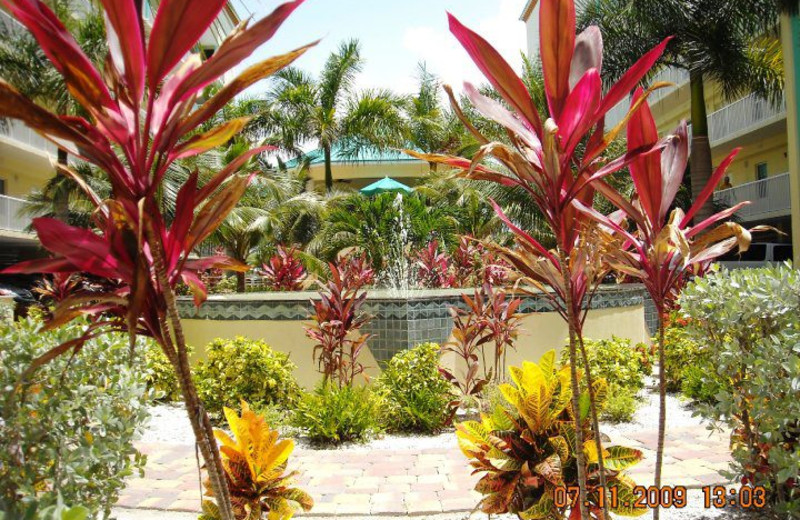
{"points": [[782, 253]]}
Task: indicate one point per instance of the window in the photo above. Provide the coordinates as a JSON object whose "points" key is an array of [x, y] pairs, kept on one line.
{"points": [[2, 186], [761, 174], [782, 253]]}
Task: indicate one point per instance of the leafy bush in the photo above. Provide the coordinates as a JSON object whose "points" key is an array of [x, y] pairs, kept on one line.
{"points": [[255, 469], [680, 353], [526, 449], [416, 395], [248, 369], [615, 360], [750, 321], [161, 377], [701, 382], [620, 406], [331, 414], [70, 430]]}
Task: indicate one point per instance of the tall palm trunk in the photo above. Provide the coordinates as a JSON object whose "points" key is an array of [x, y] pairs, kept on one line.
{"points": [[573, 368], [700, 159], [241, 286], [61, 194], [662, 405], [328, 171]]}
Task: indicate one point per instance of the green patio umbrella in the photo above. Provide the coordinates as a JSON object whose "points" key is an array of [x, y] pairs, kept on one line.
{"points": [[384, 185]]}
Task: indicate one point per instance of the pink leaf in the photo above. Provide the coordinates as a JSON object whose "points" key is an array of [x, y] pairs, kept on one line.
{"points": [[557, 44], [498, 72]]}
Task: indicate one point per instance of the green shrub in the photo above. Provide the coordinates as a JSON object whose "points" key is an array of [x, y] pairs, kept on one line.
{"points": [[332, 415], [243, 368], [620, 406], [416, 395], [161, 377], [701, 383], [70, 431], [680, 353], [750, 321], [615, 360]]}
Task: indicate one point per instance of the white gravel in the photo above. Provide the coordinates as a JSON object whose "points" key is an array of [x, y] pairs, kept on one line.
{"points": [[679, 412]]}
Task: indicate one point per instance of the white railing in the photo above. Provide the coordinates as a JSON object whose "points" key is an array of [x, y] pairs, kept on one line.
{"points": [[743, 116], [10, 214], [768, 198]]}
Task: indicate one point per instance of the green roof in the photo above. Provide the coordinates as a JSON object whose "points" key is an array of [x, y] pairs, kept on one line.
{"points": [[368, 156]]}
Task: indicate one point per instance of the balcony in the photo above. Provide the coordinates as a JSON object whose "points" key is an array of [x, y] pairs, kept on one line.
{"points": [[769, 198], [742, 117], [676, 76], [10, 215]]}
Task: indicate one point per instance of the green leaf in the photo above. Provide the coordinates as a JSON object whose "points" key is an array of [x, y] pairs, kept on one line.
{"points": [[618, 458], [541, 510]]}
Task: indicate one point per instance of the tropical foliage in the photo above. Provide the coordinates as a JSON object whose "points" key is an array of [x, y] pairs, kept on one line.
{"points": [[334, 415], [284, 271], [416, 396], [527, 448], [242, 368], [72, 438], [338, 319], [142, 116], [255, 462], [754, 336], [544, 159]]}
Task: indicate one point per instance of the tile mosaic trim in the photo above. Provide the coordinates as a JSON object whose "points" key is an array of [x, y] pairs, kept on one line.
{"points": [[398, 323]]}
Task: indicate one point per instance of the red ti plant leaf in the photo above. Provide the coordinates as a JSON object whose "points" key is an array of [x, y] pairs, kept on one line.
{"points": [[140, 120], [557, 37]]}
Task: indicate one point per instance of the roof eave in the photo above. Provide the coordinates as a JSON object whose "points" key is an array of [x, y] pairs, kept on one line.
{"points": [[526, 12]]}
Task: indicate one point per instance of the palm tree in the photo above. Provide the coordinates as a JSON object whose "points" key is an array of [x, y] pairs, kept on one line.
{"points": [[732, 43], [24, 65], [370, 224], [331, 112], [433, 129]]}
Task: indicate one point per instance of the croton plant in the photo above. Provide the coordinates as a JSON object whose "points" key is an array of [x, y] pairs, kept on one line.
{"points": [[143, 113], [526, 448]]}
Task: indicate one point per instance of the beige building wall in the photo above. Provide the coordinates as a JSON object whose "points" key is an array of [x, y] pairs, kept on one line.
{"points": [[24, 169], [540, 332]]}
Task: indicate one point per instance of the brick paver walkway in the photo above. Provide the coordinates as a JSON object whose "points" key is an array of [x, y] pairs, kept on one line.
{"points": [[407, 481]]}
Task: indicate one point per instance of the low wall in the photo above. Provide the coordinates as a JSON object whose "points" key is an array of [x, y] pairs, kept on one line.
{"points": [[400, 323]]}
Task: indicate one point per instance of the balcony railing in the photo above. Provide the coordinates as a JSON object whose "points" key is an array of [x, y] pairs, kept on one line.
{"points": [[745, 115], [768, 198], [11, 218]]}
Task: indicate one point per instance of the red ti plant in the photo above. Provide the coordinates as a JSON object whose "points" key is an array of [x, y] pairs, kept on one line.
{"points": [[544, 161], [469, 337], [666, 250], [502, 322], [284, 271], [143, 111], [435, 271], [338, 318], [467, 257]]}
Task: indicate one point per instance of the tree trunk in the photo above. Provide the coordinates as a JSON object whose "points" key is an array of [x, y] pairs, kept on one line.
{"points": [[700, 160], [662, 406], [201, 424], [240, 282], [61, 195], [328, 171], [573, 368], [595, 423]]}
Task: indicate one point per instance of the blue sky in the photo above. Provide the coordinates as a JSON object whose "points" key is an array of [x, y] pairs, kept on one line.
{"points": [[396, 35]]}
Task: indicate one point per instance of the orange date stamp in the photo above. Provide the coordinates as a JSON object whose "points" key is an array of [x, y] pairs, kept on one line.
{"points": [[644, 497]]}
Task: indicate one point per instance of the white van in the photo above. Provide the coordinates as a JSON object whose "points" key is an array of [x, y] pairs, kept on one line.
{"points": [[760, 254]]}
